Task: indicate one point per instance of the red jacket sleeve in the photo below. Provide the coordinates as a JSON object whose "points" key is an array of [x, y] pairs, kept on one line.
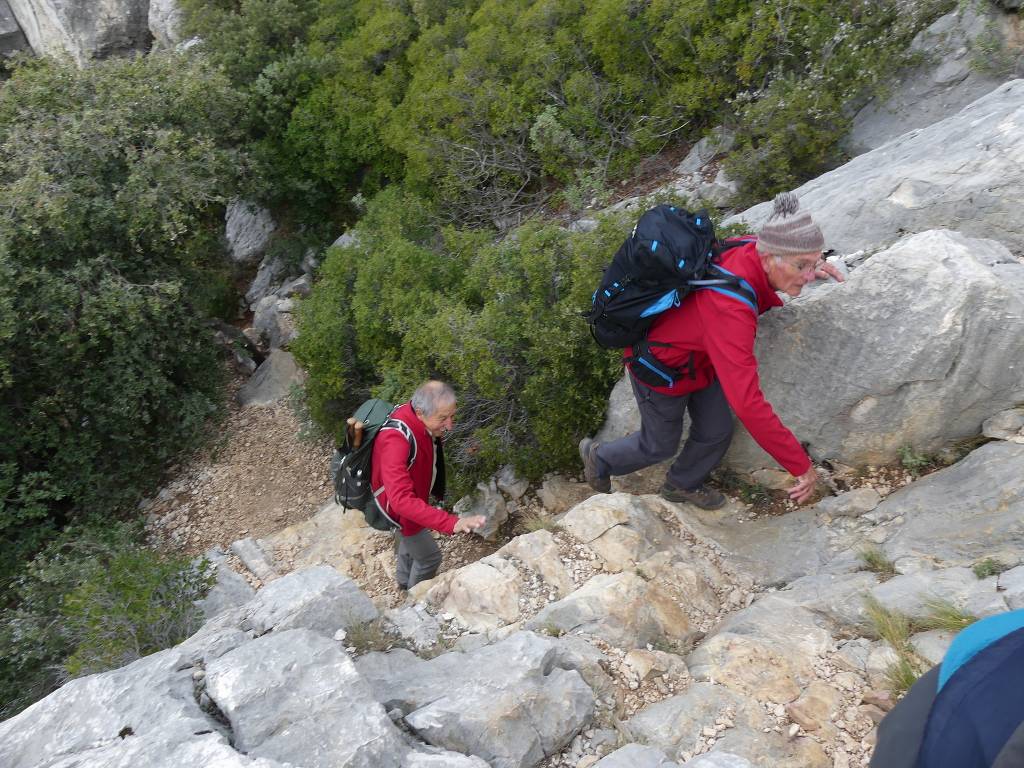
{"points": [[729, 332], [391, 450]]}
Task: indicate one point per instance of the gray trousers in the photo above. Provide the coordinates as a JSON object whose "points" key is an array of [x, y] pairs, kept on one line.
{"points": [[661, 426], [419, 557]]}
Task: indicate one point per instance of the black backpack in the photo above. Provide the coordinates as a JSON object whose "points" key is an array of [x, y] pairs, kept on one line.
{"points": [[351, 465], [669, 253]]}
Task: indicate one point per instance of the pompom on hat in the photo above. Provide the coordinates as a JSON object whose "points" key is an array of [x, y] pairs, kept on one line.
{"points": [[789, 231]]}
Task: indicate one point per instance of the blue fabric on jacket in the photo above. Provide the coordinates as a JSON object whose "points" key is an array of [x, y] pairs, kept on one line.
{"points": [[980, 706], [975, 638]]}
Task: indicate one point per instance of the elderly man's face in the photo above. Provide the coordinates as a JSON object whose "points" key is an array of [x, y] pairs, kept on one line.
{"points": [[441, 421], [789, 274]]}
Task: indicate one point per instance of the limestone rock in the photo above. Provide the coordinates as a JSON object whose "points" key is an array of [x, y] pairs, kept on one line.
{"points": [[764, 650], [539, 551], [636, 756], [964, 513], [229, 591], [273, 322], [165, 20], [484, 595], [272, 381], [906, 185], [914, 594], [621, 608], [816, 706], [96, 29], [319, 599], [929, 342], [1012, 582], [333, 536], [932, 645], [1005, 425], [486, 501], [507, 703], [620, 528], [850, 504], [510, 484], [676, 723], [558, 494], [296, 697], [267, 280], [716, 143], [248, 230], [254, 558], [12, 39], [942, 84], [415, 625]]}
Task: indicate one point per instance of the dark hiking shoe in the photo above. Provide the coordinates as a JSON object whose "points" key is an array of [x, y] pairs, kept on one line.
{"points": [[703, 497], [599, 484]]}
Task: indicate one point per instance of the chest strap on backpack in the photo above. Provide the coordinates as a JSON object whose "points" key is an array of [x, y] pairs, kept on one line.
{"points": [[650, 370]]}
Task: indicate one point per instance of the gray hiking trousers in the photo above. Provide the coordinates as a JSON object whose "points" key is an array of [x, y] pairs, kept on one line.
{"points": [[419, 557], [661, 426]]}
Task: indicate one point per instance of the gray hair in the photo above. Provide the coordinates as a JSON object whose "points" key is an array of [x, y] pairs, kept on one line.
{"points": [[432, 395]]}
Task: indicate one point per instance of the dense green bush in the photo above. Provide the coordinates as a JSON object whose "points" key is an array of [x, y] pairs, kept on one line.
{"points": [[95, 599], [489, 106], [498, 319], [113, 181]]}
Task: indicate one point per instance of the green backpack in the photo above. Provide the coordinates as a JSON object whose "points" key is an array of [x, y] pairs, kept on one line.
{"points": [[351, 465]]}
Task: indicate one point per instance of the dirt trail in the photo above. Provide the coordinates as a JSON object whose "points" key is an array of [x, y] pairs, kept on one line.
{"points": [[258, 477]]}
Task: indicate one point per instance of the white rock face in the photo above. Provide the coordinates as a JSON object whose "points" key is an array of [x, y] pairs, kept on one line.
{"points": [[962, 514], [12, 39], [248, 229], [963, 173], [84, 29], [510, 703], [272, 381], [920, 346], [944, 83], [165, 21]]}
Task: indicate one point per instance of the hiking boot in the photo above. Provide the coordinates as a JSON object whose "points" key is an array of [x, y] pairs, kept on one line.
{"points": [[703, 497], [599, 484]]}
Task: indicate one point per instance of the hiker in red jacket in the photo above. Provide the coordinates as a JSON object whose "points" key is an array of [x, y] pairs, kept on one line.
{"points": [[709, 339], [406, 489]]}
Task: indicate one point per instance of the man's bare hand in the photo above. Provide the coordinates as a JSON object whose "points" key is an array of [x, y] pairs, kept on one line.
{"points": [[805, 485], [825, 270], [467, 524]]}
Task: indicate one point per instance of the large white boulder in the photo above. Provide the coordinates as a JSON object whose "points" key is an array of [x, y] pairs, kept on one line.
{"points": [[84, 29], [920, 346]]}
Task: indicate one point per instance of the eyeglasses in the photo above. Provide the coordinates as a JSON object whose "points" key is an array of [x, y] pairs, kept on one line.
{"points": [[807, 265]]}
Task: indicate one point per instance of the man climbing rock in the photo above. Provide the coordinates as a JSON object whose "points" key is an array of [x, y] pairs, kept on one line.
{"points": [[403, 489], [708, 343]]}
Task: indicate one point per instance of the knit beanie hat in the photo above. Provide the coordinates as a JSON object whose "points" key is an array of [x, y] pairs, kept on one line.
{"points": [[789, 230]]}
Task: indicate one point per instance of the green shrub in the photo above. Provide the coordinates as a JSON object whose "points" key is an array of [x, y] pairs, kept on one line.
{"points": [[112, 197], [498, 319], [94, 599], [989, 567], [913, 460], [135, 601], [489, 106]]}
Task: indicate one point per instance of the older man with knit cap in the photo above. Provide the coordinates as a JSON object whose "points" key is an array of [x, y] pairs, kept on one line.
{"points": [[710, 337]]}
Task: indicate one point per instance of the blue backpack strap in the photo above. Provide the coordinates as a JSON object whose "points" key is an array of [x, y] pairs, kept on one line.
{"points": [[728, 283]]}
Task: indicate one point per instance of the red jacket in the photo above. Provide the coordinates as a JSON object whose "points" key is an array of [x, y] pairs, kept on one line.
{"points": [[406, 489], [719, 330]]}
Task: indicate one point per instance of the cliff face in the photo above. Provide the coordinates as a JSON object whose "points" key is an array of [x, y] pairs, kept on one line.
{"points": [[96, 29]]}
